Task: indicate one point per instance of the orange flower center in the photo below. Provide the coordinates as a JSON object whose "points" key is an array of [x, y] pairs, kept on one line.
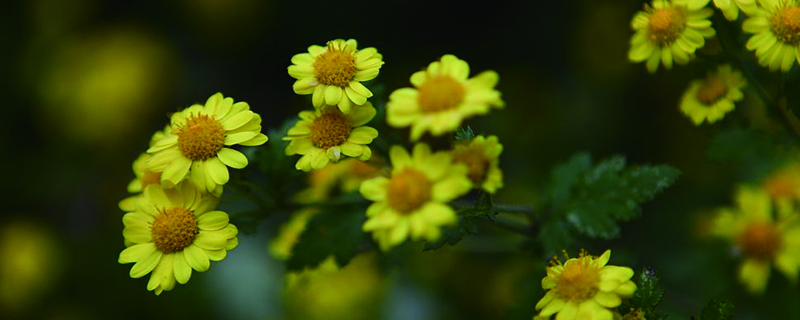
{"points": [[761, 240], [174, 229], [335, 67], [476, 162], [201, 137], [785, 24], [783, 185], [579, 280], [712, 89], [440, 93], [665, 25], [149, 177], [408, 190], [329, 130]]}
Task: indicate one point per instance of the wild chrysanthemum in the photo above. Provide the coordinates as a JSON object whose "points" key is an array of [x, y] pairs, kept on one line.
{"points": [[173, 231], [669, 31], [730, 8], [776, 28], [584, 288], [333, 74], [413, 201], [442, 98], [784, 183], [761, 238], [481, 156], [711, 98], [196, 145], [343, 177], [328, 134], [144, 177]]}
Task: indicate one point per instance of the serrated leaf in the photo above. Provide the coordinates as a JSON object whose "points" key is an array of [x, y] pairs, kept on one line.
{"points": [[335, 231], [717, 310], [482, 208], [555, 236], [592, 199]]}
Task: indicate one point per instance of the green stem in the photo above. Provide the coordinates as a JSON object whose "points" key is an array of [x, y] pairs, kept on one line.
{"points": [[513, 208], [515, 226]]}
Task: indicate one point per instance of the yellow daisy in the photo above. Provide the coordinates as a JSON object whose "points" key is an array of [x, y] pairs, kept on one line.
{"points": [[776, 28], [730, 8], [442, 98], [711, 98], [784, 183], [333, 74], [584, 288], [760, 238], [482, 157], [344, 176], [143, 178], [173, 231], [669, 31], [413, 201], [281, 246], [195, 146], [324, 135]]}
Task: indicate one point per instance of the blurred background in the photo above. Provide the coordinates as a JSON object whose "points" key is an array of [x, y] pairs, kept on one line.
{"points": [[88, 82]]}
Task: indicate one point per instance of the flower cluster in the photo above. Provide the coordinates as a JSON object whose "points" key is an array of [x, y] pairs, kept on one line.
{"points": [[171, 225], [411, 198]]}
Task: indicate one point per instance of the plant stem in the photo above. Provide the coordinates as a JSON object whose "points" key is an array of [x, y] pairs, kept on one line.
{"points": [[513, 208], [514, 226]]}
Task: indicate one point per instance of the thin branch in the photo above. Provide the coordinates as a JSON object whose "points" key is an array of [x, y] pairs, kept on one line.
{"points": [[514, 208]]}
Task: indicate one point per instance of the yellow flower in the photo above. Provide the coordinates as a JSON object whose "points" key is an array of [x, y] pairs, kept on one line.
{"points": [[482, 157], [760, 238], [442, 98], [333, 74], [344, 176], [413, 201], [669, 31], [730, 8], [325, 135], [711, 98], [173, 231], [784, 184], [585, 288], [335, 292], [143, 178], [195, 146], [281, 246], [30, 260], [776, 28]]}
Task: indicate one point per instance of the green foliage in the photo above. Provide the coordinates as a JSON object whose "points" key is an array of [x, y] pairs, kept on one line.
{"points": [[592, 199], [468, 216], [464, 134], [717, 310], [335, 231], [647, 297]]}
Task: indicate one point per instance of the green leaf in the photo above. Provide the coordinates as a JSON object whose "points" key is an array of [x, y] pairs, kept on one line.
{"points": [[464, 134], [647, 297], [564, 176], [610, 192], [335, 231], [717, 310], [555, 236]]}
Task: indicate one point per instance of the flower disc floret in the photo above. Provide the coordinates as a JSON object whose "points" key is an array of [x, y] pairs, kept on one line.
{"points": [[327, 134], [669, 31], [584, 288], [442, 97], [711, 98], [762, 239], [775, 26], [333, 74], [481, 155], [197, 146], [412, 201], [174, 231]]}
